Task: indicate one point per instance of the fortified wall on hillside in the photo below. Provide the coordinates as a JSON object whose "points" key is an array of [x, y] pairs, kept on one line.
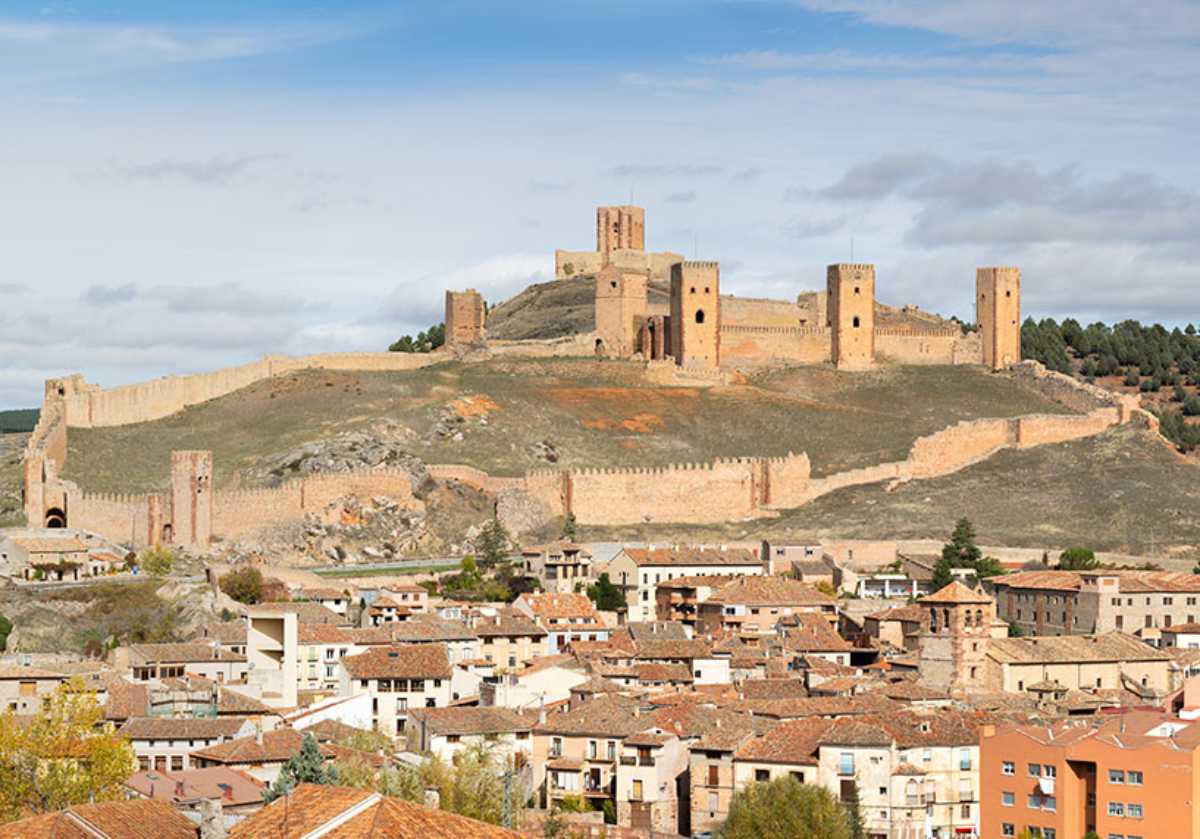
{"points": [[696, 338]]}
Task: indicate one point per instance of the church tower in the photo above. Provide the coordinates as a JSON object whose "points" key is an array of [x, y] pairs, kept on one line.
{"points": [[954, 638]]}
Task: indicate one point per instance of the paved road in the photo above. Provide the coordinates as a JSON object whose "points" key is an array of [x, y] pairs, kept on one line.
{"points": [[390, 565]]}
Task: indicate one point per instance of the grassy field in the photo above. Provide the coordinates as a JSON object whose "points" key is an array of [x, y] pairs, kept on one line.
{"points": [[11, 448], [1122, 491], [595, 413]]}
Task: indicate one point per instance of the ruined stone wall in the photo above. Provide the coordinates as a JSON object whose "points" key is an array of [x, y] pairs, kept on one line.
{"points": [[757, 311], [474, 478], [464, 317], [1040, 429], [959, 445], [45, 454]]}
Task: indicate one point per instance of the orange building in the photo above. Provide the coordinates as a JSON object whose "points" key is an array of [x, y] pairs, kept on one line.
{"points": [[1132, 775]]}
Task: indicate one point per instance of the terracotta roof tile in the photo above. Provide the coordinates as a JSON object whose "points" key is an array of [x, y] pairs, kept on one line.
{"points": [[1113, 646], [793, 742], [770, 591], [182, 728], [473, 720], [402, 661], [322, 633], [276, 747], [814, 634], [693, 556], [956, 592], [561, 606], [134, 819]]}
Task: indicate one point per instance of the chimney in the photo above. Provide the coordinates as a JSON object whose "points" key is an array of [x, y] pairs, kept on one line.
{"points": [[542, 710], [226, 792], [258, 733], [212, 819]]}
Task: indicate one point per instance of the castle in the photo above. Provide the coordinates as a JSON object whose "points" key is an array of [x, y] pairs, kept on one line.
{"points": [[696, 336]]}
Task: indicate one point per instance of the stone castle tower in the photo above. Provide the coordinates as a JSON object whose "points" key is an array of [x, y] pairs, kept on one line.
{"points": [[620, 228], [191, 498], [851, 311], [696, 313], [954, 638], [620, 309], [464, 317], [998, 314]]}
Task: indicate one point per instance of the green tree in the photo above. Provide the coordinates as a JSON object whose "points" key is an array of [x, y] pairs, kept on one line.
{"points": [[492, 543], [606, 596], [1015, 631], [66, 754], [157, 561], [474, 786], [243, 584], [1078, 559], [426, 341], [989, 566], [569, 527], [6, 628], [306, 766], [785, 807], [961, 550], [942, 574]]}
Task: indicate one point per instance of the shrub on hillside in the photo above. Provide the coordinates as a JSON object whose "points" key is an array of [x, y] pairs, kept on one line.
{"points": [[245, 585], [157, 561]]}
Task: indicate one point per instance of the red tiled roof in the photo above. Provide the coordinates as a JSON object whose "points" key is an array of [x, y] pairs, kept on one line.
{"points": [[137, 818], [407, 661], [693, 556], [956, 592]]}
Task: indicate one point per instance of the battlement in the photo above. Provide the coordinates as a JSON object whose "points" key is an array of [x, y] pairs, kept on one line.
{"points": [[852, 266], [700, 263], [798, 331], [909, 332]]}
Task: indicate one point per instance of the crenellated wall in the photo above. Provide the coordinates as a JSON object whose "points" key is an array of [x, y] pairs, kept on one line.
{"points": [[764, 346], [934, 346]]}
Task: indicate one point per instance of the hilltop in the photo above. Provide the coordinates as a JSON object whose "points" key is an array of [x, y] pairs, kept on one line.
{"points": [[507, 416]]}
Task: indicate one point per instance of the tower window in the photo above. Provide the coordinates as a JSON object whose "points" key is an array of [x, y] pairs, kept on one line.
{"points": [[856, 321], [693, 290], [699, 316], [1008, 294], [857, 289], [614, 284], [706, 289]]}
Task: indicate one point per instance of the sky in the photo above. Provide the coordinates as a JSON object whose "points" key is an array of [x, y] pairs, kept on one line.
{"points": [[185, 186]]}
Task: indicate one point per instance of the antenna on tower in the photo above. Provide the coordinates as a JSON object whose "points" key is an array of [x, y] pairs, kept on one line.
{"points": [[631, 193], [851, 250], [695, 244]]}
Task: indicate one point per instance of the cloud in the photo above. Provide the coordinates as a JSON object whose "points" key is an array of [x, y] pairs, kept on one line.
{"points": [[13, 288], [881, 177], [746, 175], [224, 298], [102, 295], [214, 171], [845, 61], [814, 228], [686, 197], [538, 185], [661, 170], [694, 84]]}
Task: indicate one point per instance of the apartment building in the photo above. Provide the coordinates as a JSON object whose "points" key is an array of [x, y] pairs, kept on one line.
{"points": [[1130, 775], [151, 662], [398, 678], [1092, 602], [165, 744], [321, 647], [638, 571], [507, 638], [565, 617], [561, 567]]}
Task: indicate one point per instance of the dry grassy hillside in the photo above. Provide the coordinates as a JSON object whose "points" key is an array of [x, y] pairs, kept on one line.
{"points": [[506, 416], [1123, 491], [11, 448]]}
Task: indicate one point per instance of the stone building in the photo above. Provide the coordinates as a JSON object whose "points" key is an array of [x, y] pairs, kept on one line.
{"points": [[960, 623], [620, 228], [998, 314], [620, 310], [620, 242], [851, 295], [465, 316]]}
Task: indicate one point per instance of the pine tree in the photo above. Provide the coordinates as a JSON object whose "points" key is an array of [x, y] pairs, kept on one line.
{"points": [[492, 543], [961, 551], [306, 766], [568, 529], [942, 574]]}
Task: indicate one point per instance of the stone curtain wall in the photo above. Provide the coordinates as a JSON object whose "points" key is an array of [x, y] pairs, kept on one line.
{"points": [[764, 346], [936, 346]]}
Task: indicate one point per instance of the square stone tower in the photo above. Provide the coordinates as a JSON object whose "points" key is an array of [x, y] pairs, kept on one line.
{"points": [[620, 309], [191, 498], [696, 313], [620, 228], [464, 317], [954, 638], [998, 315], [851, 311]]}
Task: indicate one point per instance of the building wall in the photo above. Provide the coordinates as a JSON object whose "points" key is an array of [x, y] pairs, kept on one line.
{"points": [[751, 345], [851, 290], [696, 313], [935, 346], [620, 228], [998, 313], [1016, 678], [464, 319], [620, 308]]}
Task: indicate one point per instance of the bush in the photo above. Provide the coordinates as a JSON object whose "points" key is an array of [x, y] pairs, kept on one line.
{"points": [[1191, 406], [157, 561], [245, 585], [1078, 559]]}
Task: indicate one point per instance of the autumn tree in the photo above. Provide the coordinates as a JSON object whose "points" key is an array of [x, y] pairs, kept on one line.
{"points": [[67, 754], [245, 585], [785, 807]]}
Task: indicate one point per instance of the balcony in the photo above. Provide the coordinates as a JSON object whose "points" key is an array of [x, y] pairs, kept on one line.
{"points": [[645, 761], [628, 760]]}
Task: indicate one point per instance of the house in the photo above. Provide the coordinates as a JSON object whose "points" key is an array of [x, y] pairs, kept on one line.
{"points": [[165, 743], [1125, 774], [460, 643], [652, 765], [637, 571], [398, 678], [813, 636], [136, 818], [756, 604], [544, 682], [908, 576], [575, 753], [25, 689], [564, 617], [507, 637], [446, 731], [260, 754], [385, 610], [1077, 662], [151, 662], [52, 558], [335, 601], [321, 647], [229, 635], [1096, 602], [711, 772], [899, 626], [706, 665], [236, 792], [561, 567], [313, 811], [1184, 636]]}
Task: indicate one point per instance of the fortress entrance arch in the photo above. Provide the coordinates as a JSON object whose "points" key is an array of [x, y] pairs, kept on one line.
{"points": [[56, 518]]}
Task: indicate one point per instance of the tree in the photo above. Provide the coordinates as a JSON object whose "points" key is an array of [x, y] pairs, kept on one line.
{"points": [[569, 528], [67, 754], [942, 574], [6, 628], [1015, 630], [492, 543], [306, 766], [245, 585], [426, 341], [474, 787], [785, 807], [157, 561], [989, 566], [606, 596], [961, 550], [1078, 559]]}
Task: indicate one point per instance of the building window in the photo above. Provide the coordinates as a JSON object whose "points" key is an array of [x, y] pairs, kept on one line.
{"points": [[1035, 770], [556, 747], [1134, 777], [1116, 776], [591, 749], [1007, 768], [636, 794], [1008, 829], [1050, 771], [1007, 799], [762, 775], [964, 755], [965, 811], [714, 801], [1134, 811], [1116, 808], [846, 763], [1035, 801], [1050, 803]]}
